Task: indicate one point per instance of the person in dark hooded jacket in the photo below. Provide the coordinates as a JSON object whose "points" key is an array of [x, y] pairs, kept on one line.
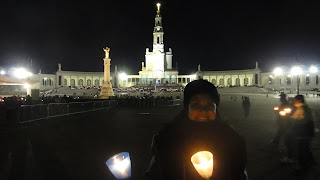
{"points": [[198, 128]]}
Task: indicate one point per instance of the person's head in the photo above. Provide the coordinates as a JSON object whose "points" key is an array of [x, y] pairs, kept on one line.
{"points": [[201, 99], [298, 99], [283, 97]]}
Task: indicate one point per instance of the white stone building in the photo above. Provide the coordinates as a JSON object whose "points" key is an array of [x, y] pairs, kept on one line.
{"points": [[157, 70]]}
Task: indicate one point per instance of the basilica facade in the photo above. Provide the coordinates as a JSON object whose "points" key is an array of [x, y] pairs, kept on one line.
{"points": [[158, 70]]}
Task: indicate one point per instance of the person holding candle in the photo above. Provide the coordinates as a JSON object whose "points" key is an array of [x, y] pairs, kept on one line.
{"points": [[198, 128]]}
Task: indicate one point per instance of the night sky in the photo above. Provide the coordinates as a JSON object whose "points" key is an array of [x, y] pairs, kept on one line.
{"points": [[219, 35]]}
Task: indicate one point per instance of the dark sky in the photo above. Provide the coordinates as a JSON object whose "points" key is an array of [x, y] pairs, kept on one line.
{"points": [[219, 35]]}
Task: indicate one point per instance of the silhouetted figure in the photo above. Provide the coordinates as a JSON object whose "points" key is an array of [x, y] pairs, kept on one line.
{"points": [[299, 134], [282, 121], [246, 106], [197, 128]]}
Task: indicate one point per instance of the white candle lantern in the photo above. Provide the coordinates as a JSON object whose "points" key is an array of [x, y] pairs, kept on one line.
{"points": [[287, 110], [282, 113], [203, 163], [120, 165]]}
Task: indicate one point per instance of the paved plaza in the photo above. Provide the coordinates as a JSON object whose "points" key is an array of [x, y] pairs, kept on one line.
{"points": [[77, 147]]}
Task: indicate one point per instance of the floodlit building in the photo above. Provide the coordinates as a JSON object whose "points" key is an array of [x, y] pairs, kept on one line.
{"points": [[158, 70]]}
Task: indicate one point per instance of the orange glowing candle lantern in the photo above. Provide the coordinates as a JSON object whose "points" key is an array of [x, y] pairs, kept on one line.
{"points": [[287, 110], [276, 108], [203, 163], [282, 113]]}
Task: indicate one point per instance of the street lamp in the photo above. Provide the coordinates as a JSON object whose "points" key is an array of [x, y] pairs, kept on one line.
{"points": [[296, 71], [120, 165]]}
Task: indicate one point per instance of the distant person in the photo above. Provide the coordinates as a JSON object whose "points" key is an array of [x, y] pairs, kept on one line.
{"points": [[282, 121], [246, 105], [299, 134], [198, 127]]}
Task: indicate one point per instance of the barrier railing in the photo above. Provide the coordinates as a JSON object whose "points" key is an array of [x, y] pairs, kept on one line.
{"points": [[29, 113]]}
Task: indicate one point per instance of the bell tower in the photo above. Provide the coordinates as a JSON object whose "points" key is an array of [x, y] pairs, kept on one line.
{"points": [[158, 33]]}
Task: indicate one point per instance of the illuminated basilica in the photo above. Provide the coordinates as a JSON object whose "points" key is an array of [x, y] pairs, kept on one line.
{"points": [[158, 70]]}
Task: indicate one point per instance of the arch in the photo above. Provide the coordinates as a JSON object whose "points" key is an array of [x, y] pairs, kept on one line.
{"points": [[173, 79], [143, 80], [237, 81], [72, 82], [89, 82], [221, 81], [317, 79], [214, 81], [65, 82], [246, 81], [229, 82], [96, 82], [43, 82], [80, 82]]}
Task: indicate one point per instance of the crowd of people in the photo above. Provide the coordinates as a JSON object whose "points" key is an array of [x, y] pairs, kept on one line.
{"points": [[296, 128], [144, 101]]}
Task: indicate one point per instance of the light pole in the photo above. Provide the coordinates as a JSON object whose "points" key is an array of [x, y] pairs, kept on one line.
{"points": [[296, 71]]}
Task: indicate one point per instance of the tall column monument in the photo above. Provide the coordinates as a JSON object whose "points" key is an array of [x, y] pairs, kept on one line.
{"points": [[106, 90]]}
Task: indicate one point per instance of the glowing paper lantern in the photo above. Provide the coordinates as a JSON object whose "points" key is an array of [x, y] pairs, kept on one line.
{"points": [[120, 165], [203, 163]]}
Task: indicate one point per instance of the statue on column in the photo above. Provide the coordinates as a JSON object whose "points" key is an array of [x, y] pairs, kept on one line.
{"points": [[106, 50], [199, 67]]}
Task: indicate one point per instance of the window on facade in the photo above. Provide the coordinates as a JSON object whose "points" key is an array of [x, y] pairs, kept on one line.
{"points": [[133, 79], [270, 80], [72, 82], [89, 82], [188, 80], [158, 40], [59, 80], [317, 79], [137, 80], [307, 80], [129, 79], [183, 80], [288, 80], [213, 81], [256, 80], [179, 80]]}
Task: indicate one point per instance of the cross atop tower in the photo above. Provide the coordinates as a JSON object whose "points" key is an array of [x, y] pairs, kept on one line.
{"points": [[158, 5]]}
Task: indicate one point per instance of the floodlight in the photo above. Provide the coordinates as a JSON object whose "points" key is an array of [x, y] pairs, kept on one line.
{"points": [[313, 69], [296, 70], [2, 72], [277, 71], [21, 73], [123, 76]]}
